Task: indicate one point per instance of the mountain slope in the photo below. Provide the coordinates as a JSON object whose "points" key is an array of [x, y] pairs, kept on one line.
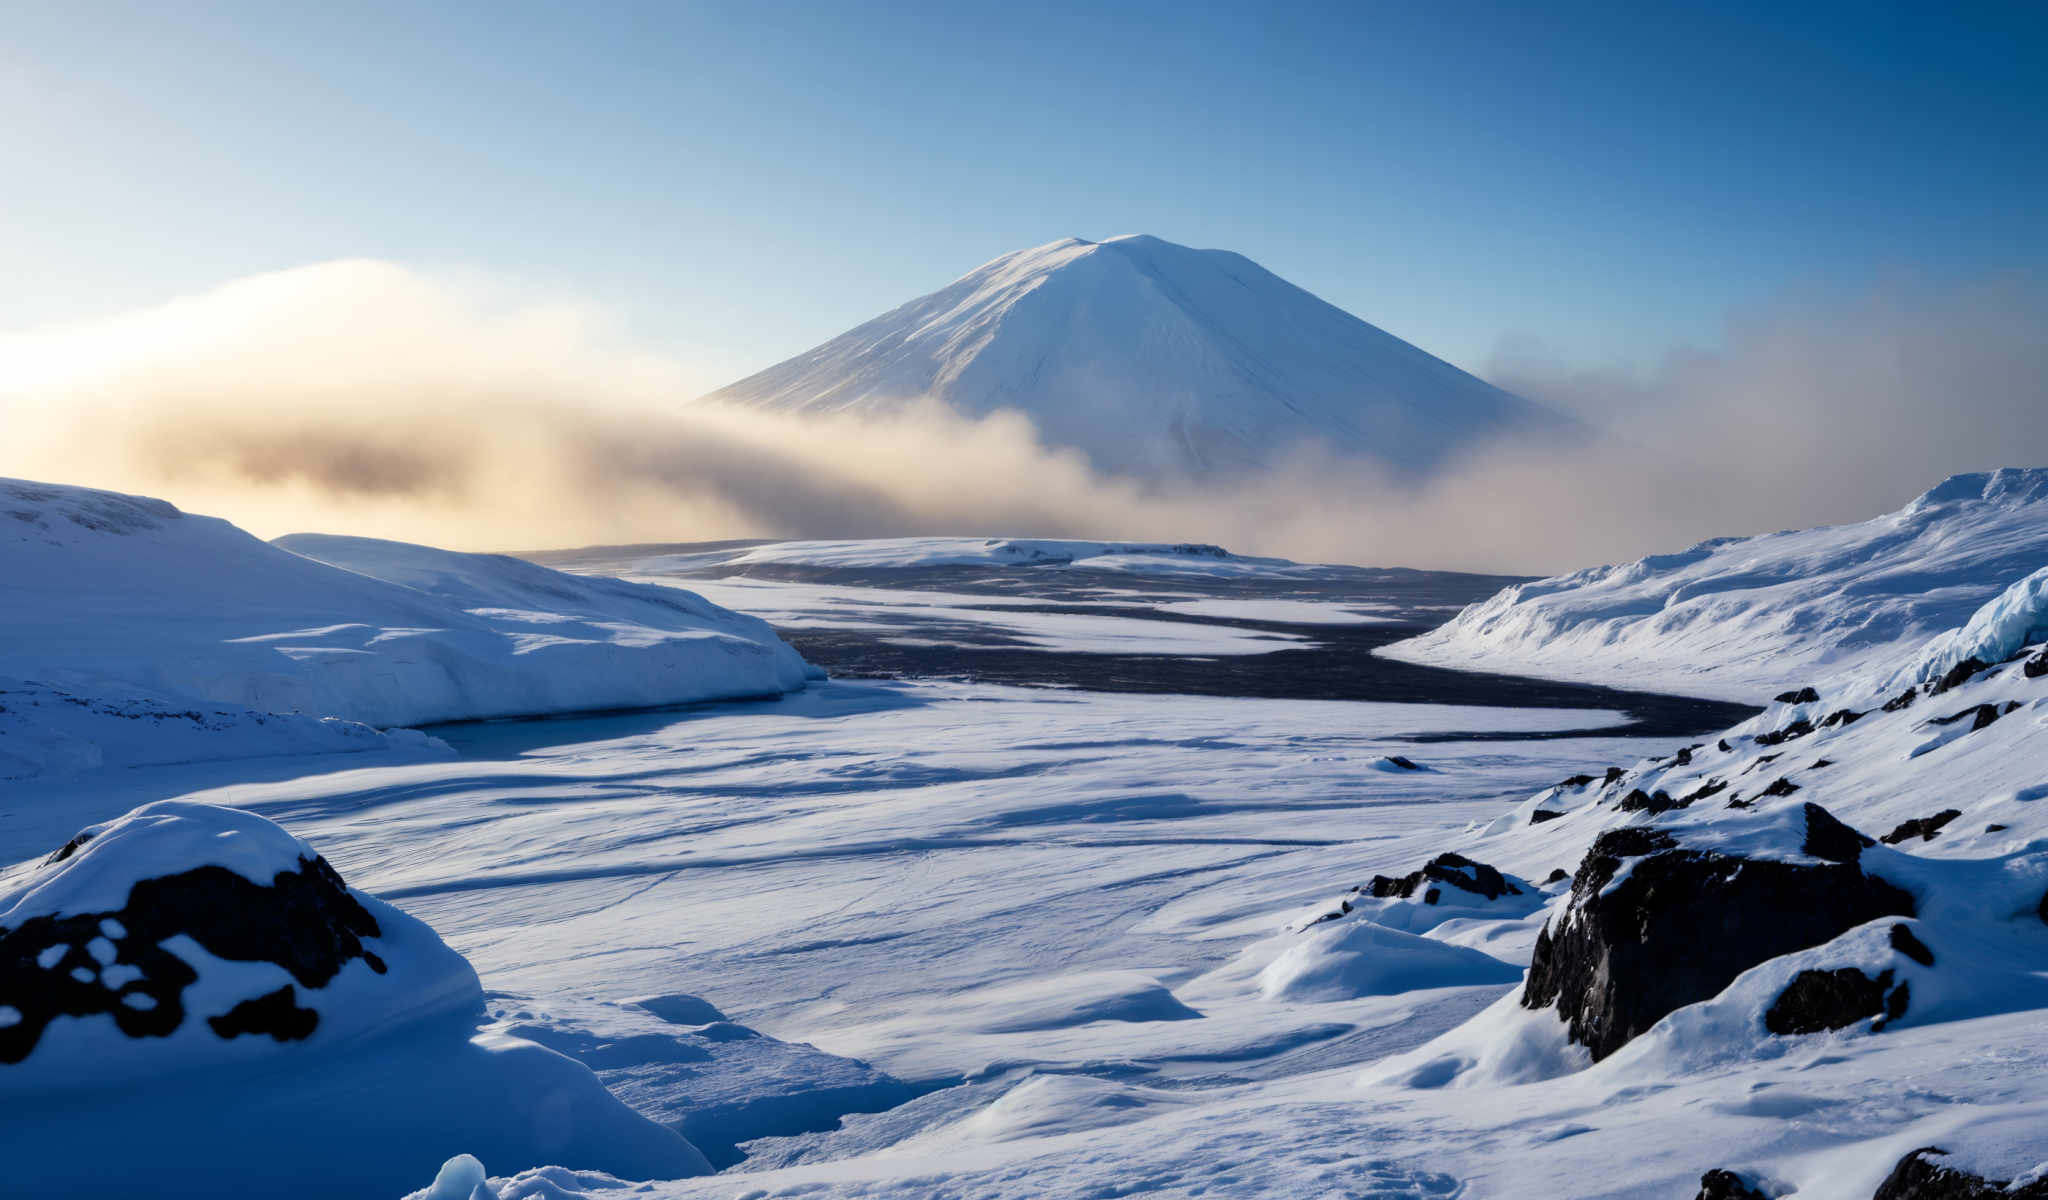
{"points": [[1155, 360], [1741, 618]]}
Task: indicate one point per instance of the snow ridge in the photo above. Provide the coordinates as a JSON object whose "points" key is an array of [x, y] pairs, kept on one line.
{"points": [[1736, 618]]}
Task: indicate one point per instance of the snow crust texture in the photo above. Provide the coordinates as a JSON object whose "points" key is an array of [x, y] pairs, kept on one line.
{"points": [[1156, 361], [1741, 618]]}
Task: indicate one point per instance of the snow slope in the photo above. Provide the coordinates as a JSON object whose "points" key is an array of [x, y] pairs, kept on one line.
{"points": [[1154, 360], [1742, 618], [126, 597]]}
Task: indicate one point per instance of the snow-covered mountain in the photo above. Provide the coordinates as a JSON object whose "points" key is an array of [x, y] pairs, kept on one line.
{"points": [[125, 599], [1155, 360], [1741, 618]]}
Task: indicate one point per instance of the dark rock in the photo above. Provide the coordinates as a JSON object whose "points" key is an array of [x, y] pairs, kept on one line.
{"points": [[1402, 761], [1726, 1185], [1979, 716], [1723, 746], [1454, 870], [1902, 700], [2042, 909], [1557, 875], [1805, 695], [1841, 716], [2036, 666], [1994, 828], [1641, 801], [1576, 781], [1709, 788], [1613, 775], [1781, 787], [1818, 763], [1924, 828], [1684, 923], [1918, 1177], [2011, 707], [303, 920], [1958, 675], [1684, 757], [1761, 759], [1538, 816], [1816, 1001], [275, 1013], [1912, 947], [1797, 729], [1736, 801], [1830, 839]]}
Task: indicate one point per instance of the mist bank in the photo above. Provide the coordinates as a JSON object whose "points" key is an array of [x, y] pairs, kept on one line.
{"points": [[371, 398]]}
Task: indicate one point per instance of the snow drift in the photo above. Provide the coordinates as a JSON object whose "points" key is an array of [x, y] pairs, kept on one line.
{"points": [[193, 1003], [1741, 618], [1156, 361], [124, 596]]}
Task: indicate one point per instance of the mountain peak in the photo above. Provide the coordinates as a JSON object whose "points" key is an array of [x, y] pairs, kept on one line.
{"points": [[1157, 361]]}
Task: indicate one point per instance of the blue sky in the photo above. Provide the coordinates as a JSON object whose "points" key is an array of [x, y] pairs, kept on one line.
{"points": [[749, 179]]}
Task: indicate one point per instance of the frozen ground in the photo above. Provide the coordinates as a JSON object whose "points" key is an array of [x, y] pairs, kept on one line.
{"points": [[931, 937]]}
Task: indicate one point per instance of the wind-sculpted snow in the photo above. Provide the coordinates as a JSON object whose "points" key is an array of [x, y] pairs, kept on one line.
{"points": [[1155, 361], [120, 596], [1741, 618], [50, 730]]}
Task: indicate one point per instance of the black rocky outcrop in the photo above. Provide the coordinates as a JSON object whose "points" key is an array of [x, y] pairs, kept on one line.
{"points": [[304, 920], [1816, 1001], [1402, 761], [1841, 716], [1576, 781], [1797, 729], [1979, 716], [1902, 700], [1924, 828], [1639, 800], [1683, 923], [1919, 1176], [1726, 1185], [1451, 870], [1781, 786], [1805, 695], [1958, 675], [1538, 816], [1709, 788], [2036, 666]]}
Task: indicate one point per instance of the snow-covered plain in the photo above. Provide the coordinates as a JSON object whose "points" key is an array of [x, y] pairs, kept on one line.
{"points": [[1742, 618], [930, 939]]}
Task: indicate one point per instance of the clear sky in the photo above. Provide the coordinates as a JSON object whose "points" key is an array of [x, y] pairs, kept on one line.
{"points": [[751, 178]]}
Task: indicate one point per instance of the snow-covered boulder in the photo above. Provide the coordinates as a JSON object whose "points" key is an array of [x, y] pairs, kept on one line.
{"points": [[1654, 924], [121, 595], [183, 975], [1740, 618], [1933, 1173]]}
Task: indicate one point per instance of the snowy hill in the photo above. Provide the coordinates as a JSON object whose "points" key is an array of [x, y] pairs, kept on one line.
{"points": [[1154, 360], [1743, 618], [128, 599]]}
